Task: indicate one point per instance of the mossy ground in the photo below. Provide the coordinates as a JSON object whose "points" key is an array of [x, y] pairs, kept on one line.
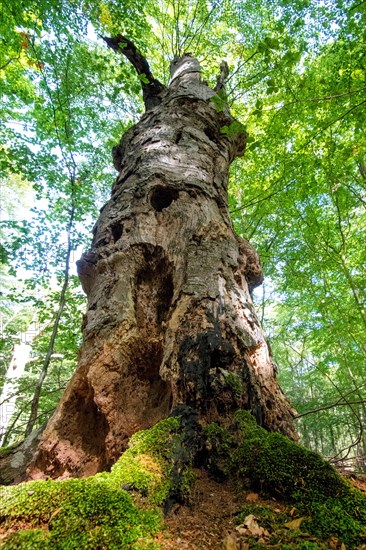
{"points": [[218, 512], [276, 466], [280, 521], [124, 508]]}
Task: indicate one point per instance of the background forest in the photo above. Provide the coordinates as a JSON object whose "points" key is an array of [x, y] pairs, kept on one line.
{"points": [[297, 82]]}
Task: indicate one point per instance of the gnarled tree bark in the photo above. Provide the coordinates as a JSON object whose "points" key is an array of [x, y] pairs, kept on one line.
{"points": [[170, 319]]}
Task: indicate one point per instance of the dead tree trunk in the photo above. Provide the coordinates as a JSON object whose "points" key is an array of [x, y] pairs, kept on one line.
{"points": [[170, 319]]}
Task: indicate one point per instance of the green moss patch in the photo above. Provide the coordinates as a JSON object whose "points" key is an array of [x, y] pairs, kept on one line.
{"points": [[101, 512], [157, 463], [77, 513], [273, 464]]}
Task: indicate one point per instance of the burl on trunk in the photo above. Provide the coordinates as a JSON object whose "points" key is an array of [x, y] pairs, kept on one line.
{"points": [[170, 319]]}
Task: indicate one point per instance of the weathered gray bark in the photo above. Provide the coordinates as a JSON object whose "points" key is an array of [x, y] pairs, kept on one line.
{"points": [[170, 319], [15, 460]]}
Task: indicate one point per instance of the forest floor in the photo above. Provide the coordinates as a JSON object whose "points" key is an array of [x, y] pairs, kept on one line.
{"points": [[220, 519]]}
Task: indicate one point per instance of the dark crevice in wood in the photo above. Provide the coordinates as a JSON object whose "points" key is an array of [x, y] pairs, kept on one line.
{"points": [[154, 290], [125, 177], [83, 411], [162, 197], [117, 231], [212, 135], [101, 242]]}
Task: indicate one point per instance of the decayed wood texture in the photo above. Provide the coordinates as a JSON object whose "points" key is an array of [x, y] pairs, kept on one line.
{"points": [[170, 319]]}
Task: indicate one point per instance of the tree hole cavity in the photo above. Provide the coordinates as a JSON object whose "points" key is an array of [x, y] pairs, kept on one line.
{"points": [[144, 384], [117, 231], [153, 297], [211, 134], [153, 289], [86, 427], [201, 356], [178, 137], [162, 197]]}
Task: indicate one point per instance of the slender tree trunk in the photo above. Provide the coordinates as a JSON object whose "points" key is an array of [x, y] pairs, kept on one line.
{"points": [[56, 324], [170, 319], [9, 392], [16, 369]]}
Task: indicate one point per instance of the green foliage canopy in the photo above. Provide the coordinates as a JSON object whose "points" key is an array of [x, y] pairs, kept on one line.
{"points": [[297, 81]]}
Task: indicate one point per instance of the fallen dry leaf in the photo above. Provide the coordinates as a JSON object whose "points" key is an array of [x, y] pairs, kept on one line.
{"points": [[229, 543], [55, 512], [250, 527], [294, 524], [252, 497], [333, 543]]}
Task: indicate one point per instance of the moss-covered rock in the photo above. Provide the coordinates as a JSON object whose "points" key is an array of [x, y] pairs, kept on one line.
{"points": [[270, 462]]}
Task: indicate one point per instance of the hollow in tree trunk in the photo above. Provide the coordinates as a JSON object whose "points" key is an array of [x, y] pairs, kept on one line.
{"points": [[170, 320]]}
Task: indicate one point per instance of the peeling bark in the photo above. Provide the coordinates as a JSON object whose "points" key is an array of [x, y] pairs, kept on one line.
{"points": [[170, 319]]}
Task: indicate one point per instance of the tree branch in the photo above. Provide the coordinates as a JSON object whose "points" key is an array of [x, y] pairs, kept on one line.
{"points": [[221, 79], [331, 406], [151, 87]]}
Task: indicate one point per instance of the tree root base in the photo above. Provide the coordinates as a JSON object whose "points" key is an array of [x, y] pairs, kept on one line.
{"points": [[124, 508]]}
